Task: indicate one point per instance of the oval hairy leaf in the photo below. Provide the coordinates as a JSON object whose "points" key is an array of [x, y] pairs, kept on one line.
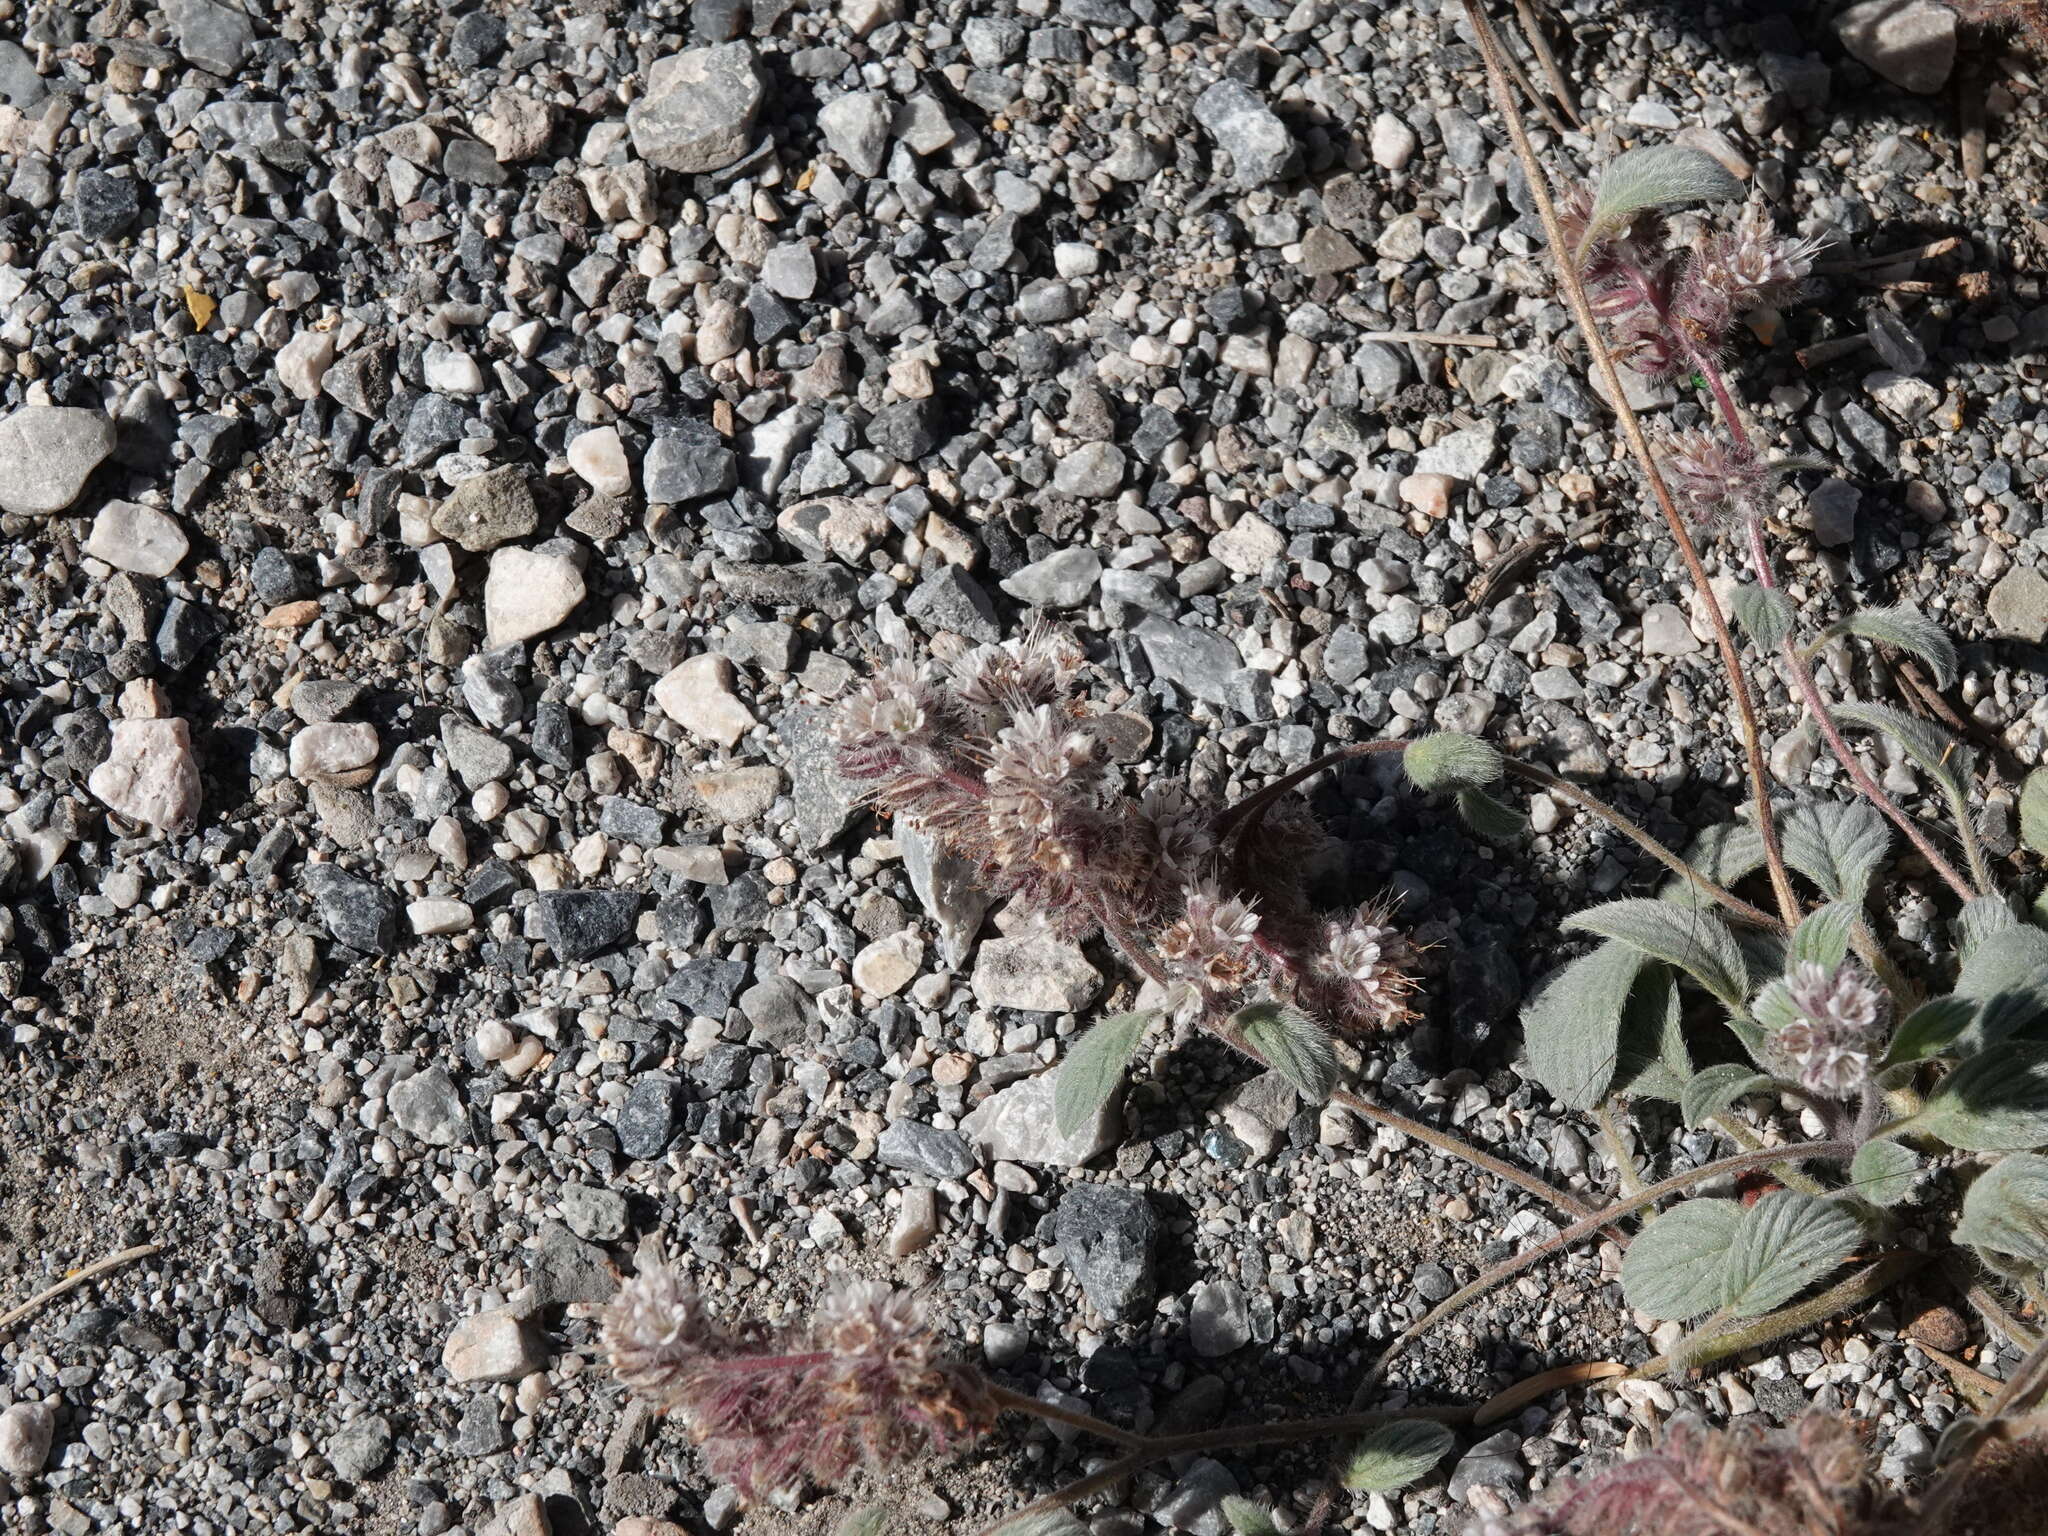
{"points": [[1572, 1027], [1934, 752], [1676, 1269], [1785, 1242], [1724, 854], [1294, 1043], [1929, 1029], [1979, 919], [1656, 176], [1994, 1101], [2034, 811], [1247, 1518], [1450, 760], [1904, 630], [1884, 1172], [1395, 1455], [1492, 819], [1765, 614], [868, 1520], [2005, 973], [1823, 937], [1095, 1064], [1695, 941], [2006, 1210], [1651, 1060], [1838, 845], [1714, 1090]]}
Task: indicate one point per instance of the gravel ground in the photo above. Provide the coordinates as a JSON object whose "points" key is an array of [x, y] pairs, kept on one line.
{"points": [[452, 458]]}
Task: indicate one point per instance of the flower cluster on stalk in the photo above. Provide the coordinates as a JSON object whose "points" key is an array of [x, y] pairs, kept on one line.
{"points": [[1829, 1041], [864, 1381], [1669, 309], [996, 757]]}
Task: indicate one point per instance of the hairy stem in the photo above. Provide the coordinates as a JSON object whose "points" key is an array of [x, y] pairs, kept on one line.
{"points": [[1817, 707], [1717, 1339], [1617, 1150], [1139, 954], [1785, 1174], [1073, 1418], [1260, 799], [2023, 1392], [1507, 1269], [1639, 446], [1566, 790]]}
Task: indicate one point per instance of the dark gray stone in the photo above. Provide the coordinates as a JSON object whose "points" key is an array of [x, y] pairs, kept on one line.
{"points": [[361, 915], [951, 599], [925, 1150], [707, 987], [651, 1115], [580, 924], [686, 461], [106, 204], [1199, 660], [1107, 1234]]}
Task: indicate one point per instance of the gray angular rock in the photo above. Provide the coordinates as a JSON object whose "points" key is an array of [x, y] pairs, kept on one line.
{"points": [[357, 913], [698, 111], [1063, 579], [1911, 43], [360, 1448], [1218, 1321], [948, 888], [1107, 1234], [687, 460], [950, 599], [915, 1147], [1245, 128], [215, 37], [1199, 660], [1016, 1125], [856, 128], [580, 924], [1036, 971], [427, 1105], [47, 453]]}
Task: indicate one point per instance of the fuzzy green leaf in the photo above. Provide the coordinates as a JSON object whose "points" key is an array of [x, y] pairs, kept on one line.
{"points": [[1395, 1455], [1904, 630], [1933, 751], [1675, 1269], [2034, 811], [1296, 1045], [1765, 614], [2006, 1210], [1994, 1101], [1450, 760], [1979, 919], [1773, 1008], [1651, 1060], [1785, 1242], [1572, 1026], [1655, 176], [1713, 1091], [1247, 1518], [1492, 819], [1823, 937], [2005, 973], [1929, 1029], [868, 1520], [1884, 1172], [1095, 1065], [1837, 845], [1724, 854], [1695, 941]]}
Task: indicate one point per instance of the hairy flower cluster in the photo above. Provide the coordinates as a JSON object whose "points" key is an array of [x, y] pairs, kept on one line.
{"points": [[1714, 481], [1812, 1479], [864, 1382], [998, 759], [1829, 1043], [1666, 307]]}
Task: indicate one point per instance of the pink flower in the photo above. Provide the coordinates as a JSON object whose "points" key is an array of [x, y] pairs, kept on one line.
{"points": [[864, 1382], [1828, 1043]]}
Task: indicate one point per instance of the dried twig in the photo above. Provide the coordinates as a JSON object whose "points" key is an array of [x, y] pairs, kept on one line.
{"points": [[78, 1277], [1433, 338], [1539, 44]]}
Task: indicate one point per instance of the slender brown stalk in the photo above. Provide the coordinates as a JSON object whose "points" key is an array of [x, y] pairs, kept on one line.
{"points": [[78, 1277], [1073, 1418], [1507, 1269], [1495, 57], [1593, 805], [2023, 1392], [1260, 799], [1816, 706]]}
